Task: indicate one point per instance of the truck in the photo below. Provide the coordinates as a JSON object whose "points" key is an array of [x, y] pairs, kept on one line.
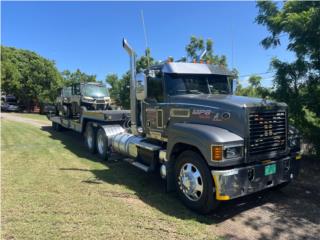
{"points": [[186, 124], [80, 97]]}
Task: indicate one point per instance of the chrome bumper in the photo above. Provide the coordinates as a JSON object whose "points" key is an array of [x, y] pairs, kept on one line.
{"points": [[239, 182]]}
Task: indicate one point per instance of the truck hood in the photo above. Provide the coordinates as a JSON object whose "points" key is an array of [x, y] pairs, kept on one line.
{"points": [[225, 111], [224, 101]]}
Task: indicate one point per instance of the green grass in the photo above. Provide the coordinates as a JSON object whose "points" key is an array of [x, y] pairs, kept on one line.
{"points": [[32, 116], [53, 189]]}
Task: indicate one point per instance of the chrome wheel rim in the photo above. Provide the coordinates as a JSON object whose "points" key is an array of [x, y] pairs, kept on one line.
{"points": [[190, 182], [89, 140], [100, 144]]}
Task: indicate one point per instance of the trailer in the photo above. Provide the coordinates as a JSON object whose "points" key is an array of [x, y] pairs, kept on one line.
{"points": [[185, 123]]}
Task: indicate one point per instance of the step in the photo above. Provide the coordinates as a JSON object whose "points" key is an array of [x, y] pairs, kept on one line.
{"points": [[141, 166]]}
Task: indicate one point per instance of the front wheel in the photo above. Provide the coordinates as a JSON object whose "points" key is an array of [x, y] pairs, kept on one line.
{"points": [[194, 182]]}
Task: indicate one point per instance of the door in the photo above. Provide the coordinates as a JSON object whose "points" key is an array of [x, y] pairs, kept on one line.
{"points": [[155, 109]]}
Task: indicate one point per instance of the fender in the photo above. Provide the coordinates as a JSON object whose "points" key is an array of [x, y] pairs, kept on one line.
{"points": [[202, 137], [112, 130]]}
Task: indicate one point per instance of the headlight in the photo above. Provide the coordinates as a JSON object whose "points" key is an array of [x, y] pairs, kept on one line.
{"points": [[219, 152], [233, 152], [88, 99]]}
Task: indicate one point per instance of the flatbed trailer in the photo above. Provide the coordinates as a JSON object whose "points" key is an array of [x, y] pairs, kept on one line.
{"points": [[78, 124]]}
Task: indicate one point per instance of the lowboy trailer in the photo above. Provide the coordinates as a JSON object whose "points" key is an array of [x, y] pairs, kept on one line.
{"points": [[207, 144]]}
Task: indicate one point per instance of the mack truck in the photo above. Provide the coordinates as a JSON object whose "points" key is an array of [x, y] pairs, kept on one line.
{"points": [[185, 123]]}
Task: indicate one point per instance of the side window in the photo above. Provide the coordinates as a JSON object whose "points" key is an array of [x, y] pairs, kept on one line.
{"points": [[155, 88]]}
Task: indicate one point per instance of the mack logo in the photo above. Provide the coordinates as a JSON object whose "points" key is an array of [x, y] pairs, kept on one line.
{"points": [[202, 113]]}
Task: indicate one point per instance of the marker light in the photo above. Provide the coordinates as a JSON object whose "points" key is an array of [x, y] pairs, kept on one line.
{"points": [[216, 153]]}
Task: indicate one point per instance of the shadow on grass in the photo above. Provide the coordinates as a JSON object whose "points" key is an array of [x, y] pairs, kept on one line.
{"points": [[292, 203]]}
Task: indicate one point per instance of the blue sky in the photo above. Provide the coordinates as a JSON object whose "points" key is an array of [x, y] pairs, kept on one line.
{"points": [[88, 35]]}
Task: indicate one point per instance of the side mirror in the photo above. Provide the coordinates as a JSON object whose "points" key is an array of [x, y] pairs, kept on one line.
{"points": [[234, 86], [141, 86]]}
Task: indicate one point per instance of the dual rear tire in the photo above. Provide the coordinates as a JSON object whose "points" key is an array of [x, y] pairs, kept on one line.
{"points": [[96, 141]]}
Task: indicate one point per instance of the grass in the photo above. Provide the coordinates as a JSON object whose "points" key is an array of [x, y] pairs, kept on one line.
{"points": [[53, 189], [32, 116]]}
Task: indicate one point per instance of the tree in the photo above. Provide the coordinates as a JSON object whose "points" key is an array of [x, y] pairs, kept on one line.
{"points": [[254, 89], [77, 77], [298, 82], [197, 45], [28, 76]]}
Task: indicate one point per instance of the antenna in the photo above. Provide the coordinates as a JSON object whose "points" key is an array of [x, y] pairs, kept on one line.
{"points": [[232, 46], [145, 34]]}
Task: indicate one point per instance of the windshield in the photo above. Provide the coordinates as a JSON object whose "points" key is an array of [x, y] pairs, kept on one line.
{"points": [[11, 100], [197, 84], [95, 91]]}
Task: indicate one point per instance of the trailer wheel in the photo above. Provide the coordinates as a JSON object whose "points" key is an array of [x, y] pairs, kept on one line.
{"points": [[90, 138], [194, 182], [102, 144]]}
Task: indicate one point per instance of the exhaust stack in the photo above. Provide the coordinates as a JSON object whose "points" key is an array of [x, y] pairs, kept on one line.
{"points": [[133, 99]]}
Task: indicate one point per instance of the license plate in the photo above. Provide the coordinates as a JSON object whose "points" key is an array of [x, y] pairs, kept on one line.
{"points": [[270, 169]]}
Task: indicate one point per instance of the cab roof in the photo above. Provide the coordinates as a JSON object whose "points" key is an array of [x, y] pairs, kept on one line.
{"points": [[193, 68]]}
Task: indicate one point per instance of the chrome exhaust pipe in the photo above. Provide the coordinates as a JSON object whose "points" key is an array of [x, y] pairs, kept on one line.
{"points": [[133, 99]]}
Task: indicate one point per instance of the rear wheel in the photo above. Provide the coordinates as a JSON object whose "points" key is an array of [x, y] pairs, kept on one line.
{"points": [[90, 138], [194, 182], [102, 144]]}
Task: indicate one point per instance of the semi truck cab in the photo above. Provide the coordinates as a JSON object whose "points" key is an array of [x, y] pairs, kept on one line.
{"points": [[245, 143]]}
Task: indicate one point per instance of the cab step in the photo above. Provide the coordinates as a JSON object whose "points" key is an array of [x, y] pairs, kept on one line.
{"points": [[139, 165]]}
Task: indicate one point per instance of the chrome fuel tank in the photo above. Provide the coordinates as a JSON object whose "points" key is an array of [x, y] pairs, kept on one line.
{"points": [[126, 144]]}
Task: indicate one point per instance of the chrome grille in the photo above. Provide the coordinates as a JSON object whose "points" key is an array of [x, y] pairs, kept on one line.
{"points": [[267, 132]]}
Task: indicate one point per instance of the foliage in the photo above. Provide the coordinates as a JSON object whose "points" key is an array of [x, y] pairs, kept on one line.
{"points": [[197, 45], [77, 77], [28, 76], [254, 89], [296, 83]]}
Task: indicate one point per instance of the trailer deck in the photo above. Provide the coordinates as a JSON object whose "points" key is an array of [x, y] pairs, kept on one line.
{"points": [[105, 116]]}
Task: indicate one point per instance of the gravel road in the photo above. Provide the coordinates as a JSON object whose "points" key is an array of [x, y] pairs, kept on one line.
{"points": [[290, 213]]}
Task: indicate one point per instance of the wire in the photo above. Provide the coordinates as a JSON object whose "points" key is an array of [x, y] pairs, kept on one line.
{"points": [[145, 34], [264, 73]]}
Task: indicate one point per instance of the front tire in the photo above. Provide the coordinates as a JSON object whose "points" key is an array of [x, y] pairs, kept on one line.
{"points": [[102, 144], [90, 138], [194, 182]]}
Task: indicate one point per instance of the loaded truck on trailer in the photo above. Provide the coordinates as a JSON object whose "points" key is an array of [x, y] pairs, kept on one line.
{"points": [[207, 144]]}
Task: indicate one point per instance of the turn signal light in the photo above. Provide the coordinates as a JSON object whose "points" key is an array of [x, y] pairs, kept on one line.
{"points": [[216, 153]]}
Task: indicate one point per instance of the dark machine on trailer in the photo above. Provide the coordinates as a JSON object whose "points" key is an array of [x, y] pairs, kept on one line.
{"points": [[184, 122], [80, 97]]}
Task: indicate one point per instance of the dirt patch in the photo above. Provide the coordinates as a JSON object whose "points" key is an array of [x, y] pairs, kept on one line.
{"points": [[34, 122]]}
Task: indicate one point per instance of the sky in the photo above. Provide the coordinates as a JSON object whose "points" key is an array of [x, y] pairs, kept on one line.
{"points": [[88, 35]]}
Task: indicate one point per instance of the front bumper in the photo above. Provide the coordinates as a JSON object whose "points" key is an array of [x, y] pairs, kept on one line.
{"points": [[239, 182]]}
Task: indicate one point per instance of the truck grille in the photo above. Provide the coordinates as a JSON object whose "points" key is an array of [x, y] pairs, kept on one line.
{"points": [[267, 132], [100, 101]]}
